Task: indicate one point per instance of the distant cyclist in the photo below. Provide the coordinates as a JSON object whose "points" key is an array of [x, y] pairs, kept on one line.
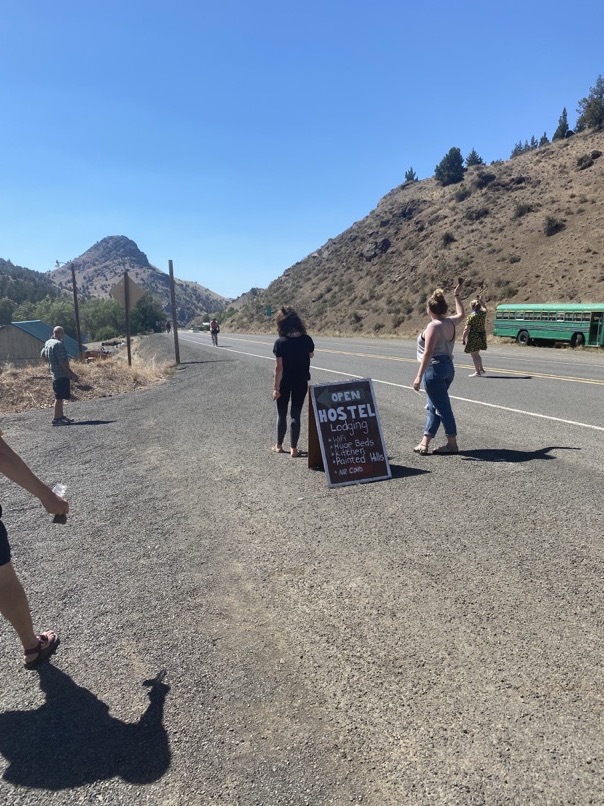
{"points": [[214, 330]]}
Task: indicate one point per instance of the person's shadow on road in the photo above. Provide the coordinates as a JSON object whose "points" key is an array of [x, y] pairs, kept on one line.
{"points": [[93, 422], [508, 455], [72, 740]]}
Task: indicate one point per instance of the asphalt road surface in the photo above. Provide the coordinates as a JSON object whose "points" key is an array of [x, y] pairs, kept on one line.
{"points": [[435, 638], [561, 384]]}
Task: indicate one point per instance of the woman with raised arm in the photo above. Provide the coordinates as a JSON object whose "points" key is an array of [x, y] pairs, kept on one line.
{"points": [[474, 335], [435, 355]]}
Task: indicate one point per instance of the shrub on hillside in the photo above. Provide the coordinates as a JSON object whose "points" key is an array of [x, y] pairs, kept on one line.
{"points": [[477, 213], [523, 209], [552, 225], [462, 193], [484, 178]]}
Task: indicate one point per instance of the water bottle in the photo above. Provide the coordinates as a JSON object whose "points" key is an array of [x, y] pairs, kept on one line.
{"points": [[60, 490]]}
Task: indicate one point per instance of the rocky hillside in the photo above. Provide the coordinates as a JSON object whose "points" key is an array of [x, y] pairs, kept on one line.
{"points": [[530, 228], [103, 265]]}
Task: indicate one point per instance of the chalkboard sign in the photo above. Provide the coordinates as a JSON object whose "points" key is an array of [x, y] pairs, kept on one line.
{"points": [[348, 429]]}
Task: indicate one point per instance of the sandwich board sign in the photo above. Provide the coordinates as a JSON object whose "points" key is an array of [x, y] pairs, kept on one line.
{"points": [[344, 423]]}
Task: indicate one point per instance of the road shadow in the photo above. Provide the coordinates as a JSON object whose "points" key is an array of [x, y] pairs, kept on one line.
{"points": [[403, 472], [71, 740], [489, 377], [93, 422], [509, 455], [397, 471]]}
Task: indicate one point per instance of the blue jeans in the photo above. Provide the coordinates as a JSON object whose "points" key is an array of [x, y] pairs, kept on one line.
{"points": [[437, 379]]}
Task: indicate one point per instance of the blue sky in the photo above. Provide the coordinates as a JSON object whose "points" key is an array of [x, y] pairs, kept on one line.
{"points": [[236, 137]]}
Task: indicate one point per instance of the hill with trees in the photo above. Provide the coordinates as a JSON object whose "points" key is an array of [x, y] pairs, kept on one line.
{"points": [[26, 294], [527, 228], [99, 268]]}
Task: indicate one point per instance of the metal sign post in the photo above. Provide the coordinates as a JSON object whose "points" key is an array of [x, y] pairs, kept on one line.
{"points": [[128, 293]]}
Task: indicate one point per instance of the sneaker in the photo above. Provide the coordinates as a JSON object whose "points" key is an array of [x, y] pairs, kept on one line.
{"points": [[66, 420], [61, 421]]}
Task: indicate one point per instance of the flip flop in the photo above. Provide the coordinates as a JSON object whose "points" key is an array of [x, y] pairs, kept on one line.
{"points": [[421, 449], [47, 645], [275, 449]]}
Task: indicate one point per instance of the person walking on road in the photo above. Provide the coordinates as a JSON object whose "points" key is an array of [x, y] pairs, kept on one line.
{"points": [[13, 600], [474, 335], [55, 353], [435, 354], [214, 331], [293, 350]]}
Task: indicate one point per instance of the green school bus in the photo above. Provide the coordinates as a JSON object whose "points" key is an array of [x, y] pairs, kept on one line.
{"points": [[577, 324]]}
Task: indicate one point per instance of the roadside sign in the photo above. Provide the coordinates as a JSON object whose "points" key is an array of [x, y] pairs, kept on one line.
{"points": [[135, 292], [348, 431]]}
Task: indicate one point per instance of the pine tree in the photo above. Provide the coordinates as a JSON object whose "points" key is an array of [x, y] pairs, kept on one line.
{"points": [[450, 169], [534, 143], [517, 150], [563, 127], [410, 175], [544, 140], [591, 109], [474, 159]]}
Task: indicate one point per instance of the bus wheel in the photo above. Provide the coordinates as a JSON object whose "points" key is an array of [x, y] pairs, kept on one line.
{"points": [[578, 340], [523, 337]]}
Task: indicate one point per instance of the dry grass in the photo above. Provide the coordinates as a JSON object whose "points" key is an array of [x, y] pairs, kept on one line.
{"points": [[30, 387]]}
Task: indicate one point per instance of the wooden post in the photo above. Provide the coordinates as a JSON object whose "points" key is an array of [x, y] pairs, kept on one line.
{"points": [[174, 321], [77, 312], [127, 312], [315, 459]]}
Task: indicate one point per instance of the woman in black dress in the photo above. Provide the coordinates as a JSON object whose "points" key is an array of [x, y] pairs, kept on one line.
{"points": [[293, 350]]}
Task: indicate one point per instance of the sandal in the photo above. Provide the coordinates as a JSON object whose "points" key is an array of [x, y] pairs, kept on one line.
{"points": [[277, 449], [421, 449], [47, 645], [445, 450]]}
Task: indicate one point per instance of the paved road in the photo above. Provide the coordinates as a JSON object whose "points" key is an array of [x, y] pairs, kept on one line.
{"points": [[563, 384], [432, 639]]}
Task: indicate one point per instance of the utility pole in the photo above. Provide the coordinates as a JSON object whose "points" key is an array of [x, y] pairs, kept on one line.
{"points": [[174, 322], [58, 264], [77, 312], [127, 313]]}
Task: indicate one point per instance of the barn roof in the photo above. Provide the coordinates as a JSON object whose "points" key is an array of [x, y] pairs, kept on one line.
{"points": [[42, 331]]}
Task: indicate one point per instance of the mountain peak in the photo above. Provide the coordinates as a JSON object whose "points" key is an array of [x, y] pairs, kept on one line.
{"points": [[99, 268], [114, 249]]}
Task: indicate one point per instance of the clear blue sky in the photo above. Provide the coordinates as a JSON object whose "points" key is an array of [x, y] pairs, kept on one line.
{"points": [[237, 136]]}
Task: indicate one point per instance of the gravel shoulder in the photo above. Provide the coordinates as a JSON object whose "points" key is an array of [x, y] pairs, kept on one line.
{"points": [[376, 644]]}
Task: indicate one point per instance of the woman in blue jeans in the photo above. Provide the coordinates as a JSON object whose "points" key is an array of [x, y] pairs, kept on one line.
{"points": [[435, 355]]}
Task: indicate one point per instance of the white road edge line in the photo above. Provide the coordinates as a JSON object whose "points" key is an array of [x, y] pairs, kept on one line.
{"points": [[453, 397]]}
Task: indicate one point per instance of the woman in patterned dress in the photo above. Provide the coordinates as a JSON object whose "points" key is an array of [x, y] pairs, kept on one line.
{"points": [[474, 335]]}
